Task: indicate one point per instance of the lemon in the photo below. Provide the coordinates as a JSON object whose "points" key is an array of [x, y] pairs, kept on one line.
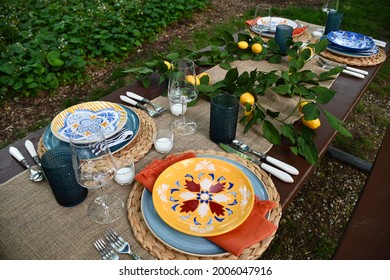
{"points": [[301, 104], [192, 80], [243, 45], [247, 113], [313, 124], [203, 74], [257, 48], [311, 51], [246, 98], [168, 64]]}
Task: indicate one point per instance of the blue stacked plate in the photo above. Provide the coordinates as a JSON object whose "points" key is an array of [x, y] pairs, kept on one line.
{"points": [[351, 44], [132, 123]]}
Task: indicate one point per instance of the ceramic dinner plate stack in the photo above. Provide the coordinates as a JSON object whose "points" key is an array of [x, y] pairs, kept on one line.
{"points": [[199, 197], [110, 117], [275, 21], [351, 44]]}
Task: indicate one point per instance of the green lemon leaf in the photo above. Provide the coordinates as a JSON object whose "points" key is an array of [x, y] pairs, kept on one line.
{"points": [[337, 124], [288, 132], [271, 133], [283, 89], [311, 111]]}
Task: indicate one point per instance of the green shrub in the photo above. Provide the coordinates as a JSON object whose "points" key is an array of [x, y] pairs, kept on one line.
{"points": [[47, 43]]}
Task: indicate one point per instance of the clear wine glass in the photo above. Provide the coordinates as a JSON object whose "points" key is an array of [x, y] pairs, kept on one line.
{"points": [[327, 6], [95, 172], [182, 89], [262, 20]]}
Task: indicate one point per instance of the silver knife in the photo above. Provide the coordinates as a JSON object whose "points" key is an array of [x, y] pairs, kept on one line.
{"points": [[285, 177], [280, 164]]}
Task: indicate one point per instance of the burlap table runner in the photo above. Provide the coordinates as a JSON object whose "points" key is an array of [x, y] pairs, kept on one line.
{"points": [[34, 226]]}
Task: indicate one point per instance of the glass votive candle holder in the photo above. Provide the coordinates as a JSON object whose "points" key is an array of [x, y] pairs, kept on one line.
{"points": [[163, 141], [177, 109], [125, 173]]}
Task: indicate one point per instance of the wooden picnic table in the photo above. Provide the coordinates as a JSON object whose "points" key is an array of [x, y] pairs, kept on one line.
{"points": [[349, 91]]}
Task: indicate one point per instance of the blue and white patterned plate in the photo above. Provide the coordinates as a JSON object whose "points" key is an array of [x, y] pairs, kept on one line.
{"points": [[182, 242], [133, 123], [358, 54], [350, 40], [79, 119]]}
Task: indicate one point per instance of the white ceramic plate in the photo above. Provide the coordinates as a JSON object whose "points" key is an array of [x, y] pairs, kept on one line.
{"points": [[275, 21]]}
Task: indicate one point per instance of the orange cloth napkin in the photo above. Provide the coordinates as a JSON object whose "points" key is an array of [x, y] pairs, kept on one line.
{"points": [[254, 229]]}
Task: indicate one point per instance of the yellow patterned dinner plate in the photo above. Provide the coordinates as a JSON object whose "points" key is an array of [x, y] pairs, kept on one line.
{"points": [[107, 116], [203, 196]]}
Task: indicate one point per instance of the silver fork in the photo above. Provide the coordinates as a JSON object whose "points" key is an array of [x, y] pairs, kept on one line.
{"points": [[151, 113], [137, 97], [105, 251], [119, 244]]}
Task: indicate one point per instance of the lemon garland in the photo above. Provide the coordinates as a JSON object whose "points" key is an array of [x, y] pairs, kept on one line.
{"points": [[292, 82]]}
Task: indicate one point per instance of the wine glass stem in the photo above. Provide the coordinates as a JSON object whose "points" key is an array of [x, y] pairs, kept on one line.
{"points": [[102, 201], [183, 115]]}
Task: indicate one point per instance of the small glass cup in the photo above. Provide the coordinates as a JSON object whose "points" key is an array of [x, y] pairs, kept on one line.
{"points": [[282, 35], [262, 20], [163, 141], [125, 173], [223, 118]]}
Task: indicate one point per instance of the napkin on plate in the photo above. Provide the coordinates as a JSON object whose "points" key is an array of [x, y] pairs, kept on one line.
{"points": [[254, 229]]}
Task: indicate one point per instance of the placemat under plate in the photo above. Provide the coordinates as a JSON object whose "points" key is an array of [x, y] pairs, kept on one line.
{"points": [[136, 149], [154, 246], [356, 61]]}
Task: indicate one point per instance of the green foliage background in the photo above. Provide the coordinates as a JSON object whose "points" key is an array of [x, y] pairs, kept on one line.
{"points": [[47, 43]]}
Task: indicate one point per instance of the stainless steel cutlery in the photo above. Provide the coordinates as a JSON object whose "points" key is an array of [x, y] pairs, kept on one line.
{"points": [[115, 245], [36, 173], [284, 176], [280, 164], [126, 99], [145, 100], [139, 101], [358, 73]]}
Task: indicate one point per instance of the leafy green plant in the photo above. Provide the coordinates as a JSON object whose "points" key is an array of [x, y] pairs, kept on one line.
{"points": [[44, 44]]}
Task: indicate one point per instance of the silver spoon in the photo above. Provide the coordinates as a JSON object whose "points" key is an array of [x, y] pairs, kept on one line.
{"points": [[36, 175], [282, 165]]}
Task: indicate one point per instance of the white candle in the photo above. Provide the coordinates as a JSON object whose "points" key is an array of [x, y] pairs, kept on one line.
{"points": [[177, 108], [124, 175], [163, 144]]}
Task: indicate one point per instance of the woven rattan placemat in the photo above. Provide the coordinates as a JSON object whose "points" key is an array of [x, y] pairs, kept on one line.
{"points": [[161, 251], [137, 148], [356, 61]]}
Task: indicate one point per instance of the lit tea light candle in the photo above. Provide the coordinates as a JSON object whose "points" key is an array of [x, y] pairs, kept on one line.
{"points": [[163, 141], [178, 108], [125, 175], [163, 145]]}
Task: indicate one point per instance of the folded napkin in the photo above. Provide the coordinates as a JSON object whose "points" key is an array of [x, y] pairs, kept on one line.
{"points": [[296, 31], [254, 229]]}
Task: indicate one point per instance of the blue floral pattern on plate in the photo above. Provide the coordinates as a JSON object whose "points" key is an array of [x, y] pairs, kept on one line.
{"points": [[350, 40], [133, 123]]}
